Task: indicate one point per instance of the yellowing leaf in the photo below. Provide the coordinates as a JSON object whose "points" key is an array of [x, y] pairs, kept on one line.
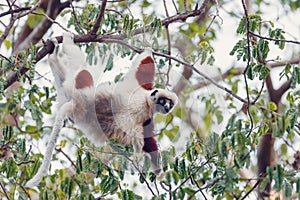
{"points": [[35, 19]]}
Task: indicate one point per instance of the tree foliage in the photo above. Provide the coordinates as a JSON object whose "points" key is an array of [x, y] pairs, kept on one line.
{"points": [[241, 142]]}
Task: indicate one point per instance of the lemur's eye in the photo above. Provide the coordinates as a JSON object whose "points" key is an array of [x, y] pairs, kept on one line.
{"points": [[161, 101], [171, 104]]}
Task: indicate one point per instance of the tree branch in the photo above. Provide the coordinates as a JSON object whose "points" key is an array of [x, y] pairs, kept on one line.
{"points": [[14, 11], [234, 71], [248, 65], [53, 9], [99, 18], [273, 39]]}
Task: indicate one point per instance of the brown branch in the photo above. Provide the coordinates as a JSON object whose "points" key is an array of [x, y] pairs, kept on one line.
{"points": [[38, 4], [75, 17], [8, 27], [99, 18], [26, 30], [259, 93], [183, 16], [53, 9], [284, 87], [251, 190], [234, 71], [174, 4], [66, 155], [275, 95], [182, 46], [4, 191], [282, 63], [14, 11], [273, 39], [203, 75], [247, 66], [47, 48], [239, 71], [169, 42]]}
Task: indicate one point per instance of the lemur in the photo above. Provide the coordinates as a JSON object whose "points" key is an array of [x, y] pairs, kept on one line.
{"points": [[122, 110]]}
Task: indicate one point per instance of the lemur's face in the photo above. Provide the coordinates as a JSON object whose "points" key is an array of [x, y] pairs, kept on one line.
{"points": [[164, 101]]}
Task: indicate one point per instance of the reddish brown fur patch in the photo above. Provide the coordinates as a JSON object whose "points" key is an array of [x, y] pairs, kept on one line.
{"points": [[150, 144], [83, 79], [145, 73]]}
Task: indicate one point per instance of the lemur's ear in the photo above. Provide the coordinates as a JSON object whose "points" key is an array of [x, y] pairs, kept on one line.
{"points": [[83, 80], [145, 69]]}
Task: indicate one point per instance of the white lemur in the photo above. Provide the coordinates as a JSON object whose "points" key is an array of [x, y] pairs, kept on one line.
{"points": [[124, 110]]}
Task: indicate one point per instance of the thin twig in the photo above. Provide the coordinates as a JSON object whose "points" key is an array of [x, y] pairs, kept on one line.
{"points": [[247, 67], [75, 17], [155, 183], [5, 193], [9, 26], [193, 173], [203, 75], [136, 167], [273, 39], [36, 6], [174, 4], [51, 20], [185, 5], [251, 190], [25, 191], [169, 43], [260, 92], [68, 157], [14, 11], [213, 19], [183, 16], [25, 162], [5, 58], [99, 18]]}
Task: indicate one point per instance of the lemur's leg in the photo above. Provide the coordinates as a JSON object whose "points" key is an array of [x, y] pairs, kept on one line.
{"points": [[150, 144], [64, 111], [57, 68], [75, 57]]}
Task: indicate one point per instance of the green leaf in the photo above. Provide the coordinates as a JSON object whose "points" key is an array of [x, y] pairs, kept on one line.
{"points": [[79, 162], [10, 167], [272, 106], [31, 129], [147, 164], [298, 186], [242, 26], [250, 73], [7, 44], [263, 184], [219, 116], [288, 189], [110, 63], [279, 177], [175, 177], [172, 134], [263, 47], [270, 171], [35, 19], [295, 77]]}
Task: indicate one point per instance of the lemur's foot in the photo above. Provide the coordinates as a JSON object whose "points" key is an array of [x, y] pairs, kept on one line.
{"points": [[55, 43]]}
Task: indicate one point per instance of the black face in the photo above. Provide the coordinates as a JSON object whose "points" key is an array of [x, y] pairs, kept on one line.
{"points": [[164, 105]]}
